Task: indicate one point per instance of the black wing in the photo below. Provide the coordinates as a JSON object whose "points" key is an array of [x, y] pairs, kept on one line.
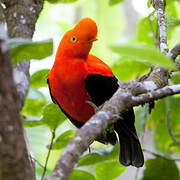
{"points": [[101, 88], [75, 122]]}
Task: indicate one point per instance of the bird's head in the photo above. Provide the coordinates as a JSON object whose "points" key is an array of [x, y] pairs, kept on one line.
{"points": [[78, 41]]}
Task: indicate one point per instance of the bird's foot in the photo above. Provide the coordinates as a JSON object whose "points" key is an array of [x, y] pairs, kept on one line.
{"points": [[96, 108]]}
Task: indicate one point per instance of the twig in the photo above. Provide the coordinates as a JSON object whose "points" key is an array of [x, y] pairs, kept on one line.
{"points": [[160, 156], [174, 52], [169, 129], [35, 160], [49, 151], [159, 6]]}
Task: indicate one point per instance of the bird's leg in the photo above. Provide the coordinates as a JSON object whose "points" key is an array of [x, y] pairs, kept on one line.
{"points": [[96, 108]]}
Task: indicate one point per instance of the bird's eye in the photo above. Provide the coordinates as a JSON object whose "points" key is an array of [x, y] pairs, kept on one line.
{"points": [[73, 39]]}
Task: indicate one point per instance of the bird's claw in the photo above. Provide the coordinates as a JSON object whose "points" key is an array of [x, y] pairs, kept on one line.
{"points": [[96, 108]]}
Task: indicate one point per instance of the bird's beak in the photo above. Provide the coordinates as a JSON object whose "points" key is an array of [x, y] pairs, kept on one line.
{"points": [[93, 39]]}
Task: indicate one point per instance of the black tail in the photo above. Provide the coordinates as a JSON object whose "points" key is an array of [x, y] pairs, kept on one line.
{"points": [[130, 149]]}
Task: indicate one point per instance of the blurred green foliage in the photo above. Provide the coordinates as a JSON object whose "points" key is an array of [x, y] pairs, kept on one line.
{"points": [[114, 2], [81, 175], [53, 116], [63, 139], [128, 61], [145, 53], [25, 49], [39, 78], [161, 169], [109, 154], [108, 170]]}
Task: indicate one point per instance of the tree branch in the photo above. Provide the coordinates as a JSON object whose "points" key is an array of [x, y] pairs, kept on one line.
{"points": [[14, 162], [175, 52], [120, 101], [159, 6], [160, 156]]}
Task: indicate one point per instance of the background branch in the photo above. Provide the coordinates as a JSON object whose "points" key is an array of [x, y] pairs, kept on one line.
{"points": [[159, 6], [161, 156], [175, 52]]}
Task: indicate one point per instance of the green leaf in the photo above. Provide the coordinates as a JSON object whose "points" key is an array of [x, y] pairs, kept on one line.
{"points": [[90, 159], [63, 139], [144, 30], [171, 18], [149, 3], [28, 122], [114, 2], [53, 116], [129, 69], [162, 140], [145, 53], [61, 1], [109, 170], [34, 103], [33, 107], [175, 79], [173, 23], [39, 78], [171, 11], [173, 106], [35, 94], [158, 113], [160, 169], [81, 175], [170, 1], [26, 49], [99, 157]]}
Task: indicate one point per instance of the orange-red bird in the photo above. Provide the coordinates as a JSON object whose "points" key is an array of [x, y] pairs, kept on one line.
{"points": [[78, 78]]}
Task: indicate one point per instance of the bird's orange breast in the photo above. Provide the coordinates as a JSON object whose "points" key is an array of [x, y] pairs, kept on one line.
{"points": [[67, 82]]}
